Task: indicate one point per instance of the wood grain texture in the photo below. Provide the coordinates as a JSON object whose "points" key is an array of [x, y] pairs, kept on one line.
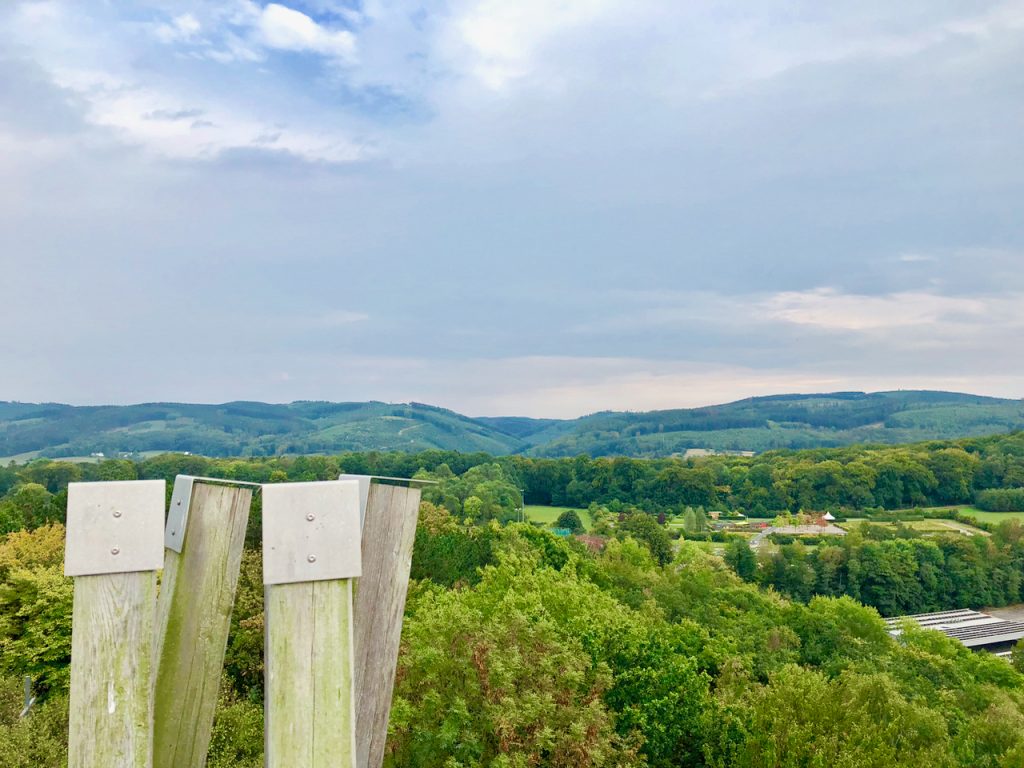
{"points": [[197, 594], [111, 712], [310, 718], [389, 531]]}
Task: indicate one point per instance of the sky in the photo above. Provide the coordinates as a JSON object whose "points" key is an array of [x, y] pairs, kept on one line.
{"points": [[539, 207]]}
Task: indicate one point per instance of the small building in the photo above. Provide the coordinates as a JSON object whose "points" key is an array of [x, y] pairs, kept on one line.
{"points": [[978, 631], [828, 518]]}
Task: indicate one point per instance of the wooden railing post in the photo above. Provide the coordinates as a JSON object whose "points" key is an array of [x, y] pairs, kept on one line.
{"points": [[114, 548], [311, 553], [389, 530], [204, 538]]}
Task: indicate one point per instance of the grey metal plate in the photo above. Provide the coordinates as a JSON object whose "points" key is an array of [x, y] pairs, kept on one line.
{"points": [[177, 515], [364, 493], [181, 504], [115, 527], [311, 531]]}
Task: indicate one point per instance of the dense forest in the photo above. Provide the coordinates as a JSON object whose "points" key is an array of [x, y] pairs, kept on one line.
{"points": [[524, 649], [987, 470], [262, 429], [521, 648]]}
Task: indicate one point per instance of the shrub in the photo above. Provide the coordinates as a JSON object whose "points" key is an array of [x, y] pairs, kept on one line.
{"points": [[1001, 500], [570, 520]]}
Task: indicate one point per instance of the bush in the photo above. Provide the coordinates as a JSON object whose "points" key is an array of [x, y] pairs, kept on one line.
{"points": [[570, 520], [645, 528], [1001, 500], [452, 556], [35, 626], [38, 740], [237, 738]]}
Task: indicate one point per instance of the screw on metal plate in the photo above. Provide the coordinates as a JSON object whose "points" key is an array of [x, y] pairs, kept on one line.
{"points": [[114, 527], [311, 532], [181, 501]]}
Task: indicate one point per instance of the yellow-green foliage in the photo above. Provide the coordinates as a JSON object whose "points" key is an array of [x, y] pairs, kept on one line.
{"points": [[32, 549], [35, 607], [38, 740], [237, 740]]}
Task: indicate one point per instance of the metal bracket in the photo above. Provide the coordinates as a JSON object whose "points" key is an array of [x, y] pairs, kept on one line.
{"points": [[181, 503], [311, 531], [114, 527], [364, 488], [364, 494]]}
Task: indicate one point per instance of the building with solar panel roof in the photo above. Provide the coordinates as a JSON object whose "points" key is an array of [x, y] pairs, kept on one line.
{"points": [[976, 630]]}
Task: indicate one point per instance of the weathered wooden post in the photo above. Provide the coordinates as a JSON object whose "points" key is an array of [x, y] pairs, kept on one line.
{"points": [[114, 548], [204, 538], [311, 553], [389, 530]]}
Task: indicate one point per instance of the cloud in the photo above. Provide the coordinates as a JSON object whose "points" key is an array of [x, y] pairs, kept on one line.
{"points": [[829, 309], [538, 207], [287, 29], [501, 39], [173, 114], [180, 29]]}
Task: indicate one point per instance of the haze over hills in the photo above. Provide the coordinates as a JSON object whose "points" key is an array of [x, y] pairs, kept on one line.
{"points": [[249, 428]]}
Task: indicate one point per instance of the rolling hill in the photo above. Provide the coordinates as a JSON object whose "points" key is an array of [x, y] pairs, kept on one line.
{"points": [[249, 428]]}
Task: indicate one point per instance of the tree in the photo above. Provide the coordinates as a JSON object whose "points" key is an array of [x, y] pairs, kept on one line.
{"points": [[1017, 656], [473, 507], [28, 506], [35, 626], [741, 558], [700, 520], [570, 520], [497, 674], [645, 528], [690, 520]]}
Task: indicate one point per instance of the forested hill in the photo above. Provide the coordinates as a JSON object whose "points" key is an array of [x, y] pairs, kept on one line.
{"points": [[248, 428]]}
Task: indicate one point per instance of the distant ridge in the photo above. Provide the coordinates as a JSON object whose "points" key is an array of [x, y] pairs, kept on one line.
{"points": [[241, 428]]}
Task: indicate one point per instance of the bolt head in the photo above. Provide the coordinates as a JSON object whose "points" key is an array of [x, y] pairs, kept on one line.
{"points": [[114, 551], [311, 517], [117, 513], [311, 558]]}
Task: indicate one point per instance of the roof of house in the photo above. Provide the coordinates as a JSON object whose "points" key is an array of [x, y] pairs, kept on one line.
{"points": [[972, 628]]}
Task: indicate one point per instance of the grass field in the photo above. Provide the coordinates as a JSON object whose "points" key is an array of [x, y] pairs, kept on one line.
{"points": [[979, 514], [991, 517], [925, 526], [548, 515]]}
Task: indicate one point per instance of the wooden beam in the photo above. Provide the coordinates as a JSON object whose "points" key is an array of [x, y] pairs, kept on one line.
{"points": [[389, 530], [309, 698], [197, 594], [114, 546], [111, 713], [311, 554]]}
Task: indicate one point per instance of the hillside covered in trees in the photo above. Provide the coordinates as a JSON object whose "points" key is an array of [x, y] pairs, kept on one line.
{"points": [[261, 429], [521, 648], [849, 479]]}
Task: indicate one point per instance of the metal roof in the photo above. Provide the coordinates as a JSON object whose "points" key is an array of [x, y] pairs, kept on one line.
{"points": [[972, 628]]}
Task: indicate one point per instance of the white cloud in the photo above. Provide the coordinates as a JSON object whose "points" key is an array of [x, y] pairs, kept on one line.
{"points": [[500, 40], [286, 29], [181, 28], [829, 309], [162, 123]]}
